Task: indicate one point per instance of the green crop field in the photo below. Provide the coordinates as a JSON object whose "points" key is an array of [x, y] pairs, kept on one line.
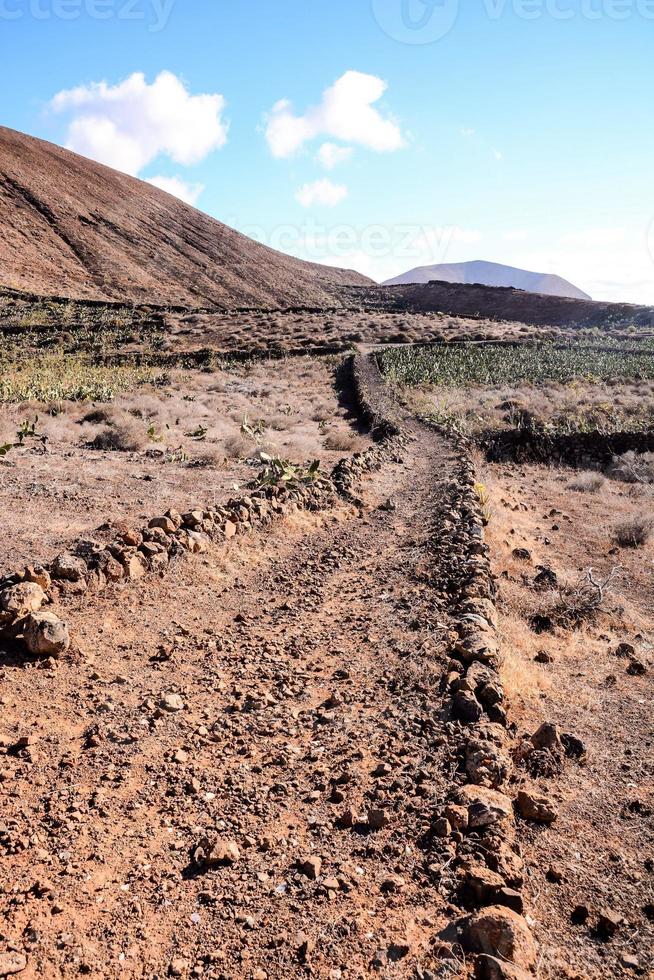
{"points": [[471, 364], [476, 388]]}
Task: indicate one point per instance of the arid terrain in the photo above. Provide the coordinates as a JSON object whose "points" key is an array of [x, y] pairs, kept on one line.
{"points": [[326, 623], [161, 444], [593, 679], [72, 227]]}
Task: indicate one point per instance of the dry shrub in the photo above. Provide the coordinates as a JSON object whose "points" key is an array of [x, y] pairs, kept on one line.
{"points": [[237, 447], [209, 459], [575, 602], [634, 532], [587, 483], [99, 416], [633, 467], [344, 442], [279, 423], [121, 432]]}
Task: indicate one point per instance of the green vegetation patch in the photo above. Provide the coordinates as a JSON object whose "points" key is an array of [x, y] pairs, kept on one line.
{"points": [[470, 364], [58, 376]]}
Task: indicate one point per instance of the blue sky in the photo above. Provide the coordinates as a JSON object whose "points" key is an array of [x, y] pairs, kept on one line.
{"points": [[409, 131]]}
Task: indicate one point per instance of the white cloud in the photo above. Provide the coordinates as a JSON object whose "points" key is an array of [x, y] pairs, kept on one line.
{"points": [[323, 192], [515, 236], [468, 133], [128, 125], [330, 155], [178, 188], [345, 113]]}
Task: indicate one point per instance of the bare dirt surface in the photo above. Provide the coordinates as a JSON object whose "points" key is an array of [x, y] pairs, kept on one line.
{"points": [[72, 227], [599, 854], [306, 666], [186, 442], [240, 766]]}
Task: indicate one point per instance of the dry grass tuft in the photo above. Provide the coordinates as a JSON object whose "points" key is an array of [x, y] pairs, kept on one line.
{"points": [[344, 442], [634, 532], [238, 447], [587, 483], [209, 459], [523, 680], [120, 434], [280, 423], [99, 416]]}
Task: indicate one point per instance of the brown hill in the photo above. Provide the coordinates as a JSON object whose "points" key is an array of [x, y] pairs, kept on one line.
{"points": [[497, 303], [72, 227]]}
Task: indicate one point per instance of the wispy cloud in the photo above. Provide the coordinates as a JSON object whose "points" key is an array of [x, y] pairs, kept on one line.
{"points": [[322, 192], [330, 155], [178, 188], [471, 134], [346, 112]]}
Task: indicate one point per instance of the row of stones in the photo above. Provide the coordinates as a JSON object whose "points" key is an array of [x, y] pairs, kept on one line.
{"points": [[90, 566], [477, 820]]}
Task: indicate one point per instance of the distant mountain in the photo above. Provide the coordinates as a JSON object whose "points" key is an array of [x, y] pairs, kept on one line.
{"points": [[71, 227], [491, 274]]}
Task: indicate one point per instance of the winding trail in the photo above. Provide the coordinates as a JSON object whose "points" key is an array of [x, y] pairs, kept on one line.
{"points": [[309, 663]]}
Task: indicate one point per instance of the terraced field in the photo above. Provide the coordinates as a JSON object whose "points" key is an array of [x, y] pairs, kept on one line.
{"points": [[263, 719]]}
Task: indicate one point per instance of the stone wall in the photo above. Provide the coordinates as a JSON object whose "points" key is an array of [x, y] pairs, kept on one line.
{"points": [[583, 448]]}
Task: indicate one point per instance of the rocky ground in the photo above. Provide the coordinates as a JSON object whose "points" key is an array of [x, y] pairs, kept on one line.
{"points": [[239, 788], [591, 879], [299, 752]]}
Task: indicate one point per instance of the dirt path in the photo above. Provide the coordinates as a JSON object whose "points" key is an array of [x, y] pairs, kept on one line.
{"points": [[308, 664]]}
